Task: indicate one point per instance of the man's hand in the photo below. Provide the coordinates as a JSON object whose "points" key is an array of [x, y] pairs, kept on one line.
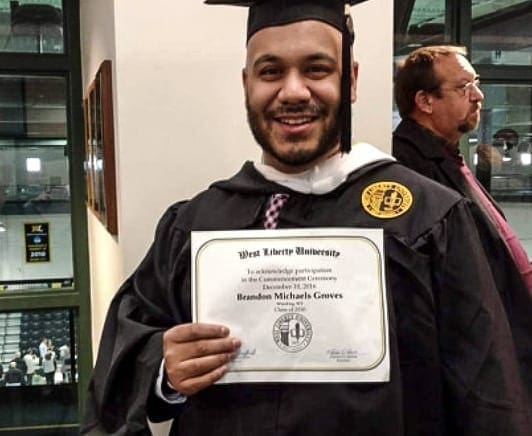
{"points": [[196, 355]]}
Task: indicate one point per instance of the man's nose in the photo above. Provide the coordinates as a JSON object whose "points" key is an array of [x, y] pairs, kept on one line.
{"points": [[294, 88], [476, 93]]}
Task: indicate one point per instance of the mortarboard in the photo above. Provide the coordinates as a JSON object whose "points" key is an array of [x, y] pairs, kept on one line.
{"points": [[268, 13]]}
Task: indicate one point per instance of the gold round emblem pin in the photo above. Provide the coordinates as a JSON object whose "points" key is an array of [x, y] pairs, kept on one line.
{"points": [[386, 199]]}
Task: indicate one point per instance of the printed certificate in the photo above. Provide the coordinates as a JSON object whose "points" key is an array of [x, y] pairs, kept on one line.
{"points": [[309, 305]]}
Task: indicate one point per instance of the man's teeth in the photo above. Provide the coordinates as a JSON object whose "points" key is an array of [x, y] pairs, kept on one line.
{"points": [[295, 121]]}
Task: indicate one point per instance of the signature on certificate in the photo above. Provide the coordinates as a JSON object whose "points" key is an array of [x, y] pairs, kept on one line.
{"points": [[342, 354], [246, 353]]}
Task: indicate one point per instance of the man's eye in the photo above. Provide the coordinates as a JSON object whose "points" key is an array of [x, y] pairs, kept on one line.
{"points": [[270, 72], [318, 70]]}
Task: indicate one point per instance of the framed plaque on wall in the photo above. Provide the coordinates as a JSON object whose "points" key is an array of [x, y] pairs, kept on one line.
{"points": [[99, 148]]}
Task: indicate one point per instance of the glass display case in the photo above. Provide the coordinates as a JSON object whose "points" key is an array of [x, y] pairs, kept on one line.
{"points": [[38, 355], [43, 232], [35, 222], [31, 26]]}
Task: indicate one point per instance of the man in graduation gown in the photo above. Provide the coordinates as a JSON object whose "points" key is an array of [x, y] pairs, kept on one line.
{"points": [[453, 363], [438, 96]]}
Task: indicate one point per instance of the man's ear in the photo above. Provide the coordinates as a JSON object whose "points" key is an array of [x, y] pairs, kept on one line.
{"points": [[244, 77], [423, 100], [354, 81]]}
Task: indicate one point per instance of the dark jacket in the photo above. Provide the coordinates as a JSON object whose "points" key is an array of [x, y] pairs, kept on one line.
{"points": [[453, 363], [14, 377], [420, 150], [21, 364]]}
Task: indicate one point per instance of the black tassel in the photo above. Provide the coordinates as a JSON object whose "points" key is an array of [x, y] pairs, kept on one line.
{"points": [[345, 101]]}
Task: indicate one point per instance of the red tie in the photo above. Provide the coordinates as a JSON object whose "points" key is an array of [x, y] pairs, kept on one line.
{"points": [[517, 251], [271, 217]]}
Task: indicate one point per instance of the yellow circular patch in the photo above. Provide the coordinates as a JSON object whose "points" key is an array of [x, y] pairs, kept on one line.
{"points": [[386, 199]]}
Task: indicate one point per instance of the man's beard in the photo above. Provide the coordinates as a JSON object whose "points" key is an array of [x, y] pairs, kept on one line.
{"points": [[466, 125], [326, 142]]}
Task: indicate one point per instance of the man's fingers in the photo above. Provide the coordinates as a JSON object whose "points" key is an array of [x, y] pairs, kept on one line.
{"points": [[193, 375], [196, 367], [193, 385], [189, 350], [195, 331], [196, 355]]}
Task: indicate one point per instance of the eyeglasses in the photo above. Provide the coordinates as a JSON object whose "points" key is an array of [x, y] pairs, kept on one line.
{"points": [[465, 89]]}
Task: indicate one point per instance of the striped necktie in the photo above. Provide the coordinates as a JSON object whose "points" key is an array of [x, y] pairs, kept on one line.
{"points": [[271, 216]]}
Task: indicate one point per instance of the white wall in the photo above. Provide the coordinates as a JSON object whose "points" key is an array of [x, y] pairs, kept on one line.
{"points": [[106, 260], [179, 110], [372, 114], [181, 118]]}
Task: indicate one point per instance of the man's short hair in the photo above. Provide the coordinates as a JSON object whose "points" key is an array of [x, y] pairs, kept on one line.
{"points": [[416, 73]]}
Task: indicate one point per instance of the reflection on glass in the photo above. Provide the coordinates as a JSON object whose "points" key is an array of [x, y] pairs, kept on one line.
{"points": [[504, 142], [418, 23], [35, 236], [96, 162], [31, 26], [502, 32], [500, 152], [38, 354], [32, 107]]}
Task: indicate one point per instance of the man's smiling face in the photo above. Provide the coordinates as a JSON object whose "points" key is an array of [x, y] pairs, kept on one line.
{"points": [[292, 86]]}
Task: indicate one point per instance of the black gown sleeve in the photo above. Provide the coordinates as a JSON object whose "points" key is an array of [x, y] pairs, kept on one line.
{"points": [[130, 350], [484, 391]]}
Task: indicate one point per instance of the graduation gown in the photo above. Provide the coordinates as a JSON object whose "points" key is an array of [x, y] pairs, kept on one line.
{"points": [[453, 362], [417, 148]]}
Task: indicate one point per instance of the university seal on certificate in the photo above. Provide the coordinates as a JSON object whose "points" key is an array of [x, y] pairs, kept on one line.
{"points": [[292, 332], [309, 305]]}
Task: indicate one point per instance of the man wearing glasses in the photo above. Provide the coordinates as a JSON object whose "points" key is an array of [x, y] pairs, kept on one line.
{"points": [[438, 97]]}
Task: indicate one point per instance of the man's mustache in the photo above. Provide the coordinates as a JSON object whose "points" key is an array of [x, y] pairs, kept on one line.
{"points": [[475, 107], [313, 110]]}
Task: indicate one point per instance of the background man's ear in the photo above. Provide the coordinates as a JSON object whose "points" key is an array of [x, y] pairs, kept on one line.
{"points": [[423, 100]]}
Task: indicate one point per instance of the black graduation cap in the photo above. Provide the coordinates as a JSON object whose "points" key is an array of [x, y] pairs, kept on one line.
{"points": [[267, 13]]}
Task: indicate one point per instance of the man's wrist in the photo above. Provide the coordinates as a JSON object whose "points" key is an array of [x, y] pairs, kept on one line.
{"points": [[165, 391]]}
